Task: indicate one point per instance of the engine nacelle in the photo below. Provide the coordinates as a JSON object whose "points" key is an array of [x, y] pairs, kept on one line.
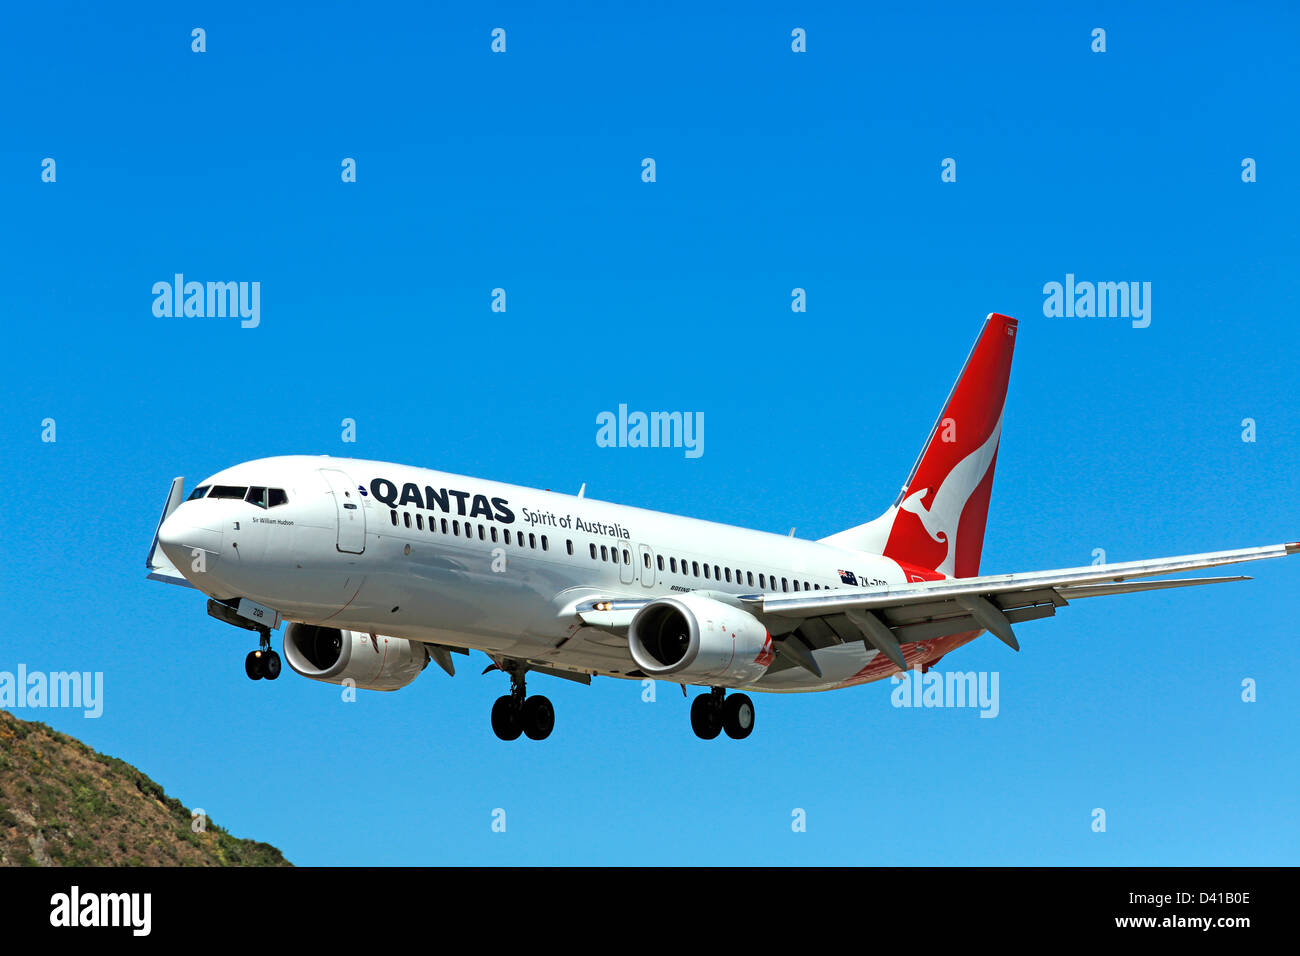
{"points": [[699, 639], [370, 661]]}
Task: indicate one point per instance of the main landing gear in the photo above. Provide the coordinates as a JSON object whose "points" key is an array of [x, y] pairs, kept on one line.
{"points": [[262, 662], [517, 713], [713, 713]]}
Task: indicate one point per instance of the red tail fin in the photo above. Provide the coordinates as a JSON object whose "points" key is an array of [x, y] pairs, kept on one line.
{"points": [[937, 522]]}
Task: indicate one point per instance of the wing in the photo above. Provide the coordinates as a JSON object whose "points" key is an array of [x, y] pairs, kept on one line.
{"points": [[886, 617]]}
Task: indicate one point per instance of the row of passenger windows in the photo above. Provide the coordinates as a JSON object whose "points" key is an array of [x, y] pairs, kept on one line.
{"points": [[257, 495], [456, 528], [611, 554], [766, 582]]}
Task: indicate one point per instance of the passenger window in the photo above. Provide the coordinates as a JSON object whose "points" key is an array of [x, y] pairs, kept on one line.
{"points": [[627, 558], [695, 567], [444, 525], [796, 585], [593, 552], [646, 556], [393, 514], [672, 564], [785, 585], [419, 522], [749, 575], [506, 534], [482, 535], [545, 545], [276, 496], [532, 540], [805, 586], [604, 553], [406, 516], [706, 570], [455, 527], [494, 533], [569, 544], [728, 575], [198, 493], [661, 562]]}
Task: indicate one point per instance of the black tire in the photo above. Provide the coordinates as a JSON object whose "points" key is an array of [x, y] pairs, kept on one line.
{"points": [[706, 721], [505, 718], [253, 665], [270, 665], [538, 718], [738, 716]]}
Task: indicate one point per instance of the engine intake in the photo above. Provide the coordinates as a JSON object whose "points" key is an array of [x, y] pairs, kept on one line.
{"points": [[700, 639], [370, 661]]}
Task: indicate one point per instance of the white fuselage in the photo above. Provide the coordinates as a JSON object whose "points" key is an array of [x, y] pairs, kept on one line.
{"points": [[469, 563]]}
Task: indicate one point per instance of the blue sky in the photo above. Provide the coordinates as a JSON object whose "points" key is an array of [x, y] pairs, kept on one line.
{"points": [[775, 170]]}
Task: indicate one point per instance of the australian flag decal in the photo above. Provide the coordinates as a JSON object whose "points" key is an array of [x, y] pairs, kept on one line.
{"points": [[848, 577]]}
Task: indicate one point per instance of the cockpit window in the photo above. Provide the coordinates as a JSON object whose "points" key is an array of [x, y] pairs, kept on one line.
{"points": [[197, 493], [258, 495]]}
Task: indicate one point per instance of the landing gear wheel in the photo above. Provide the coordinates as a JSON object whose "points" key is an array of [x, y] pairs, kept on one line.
{"points": [[270, 665], [505, 718], [706, 716], [738, 716], [253, 665], [538, 718]]}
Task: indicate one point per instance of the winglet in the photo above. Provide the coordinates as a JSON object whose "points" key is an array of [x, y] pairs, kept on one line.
{"points": [[171, 504]]}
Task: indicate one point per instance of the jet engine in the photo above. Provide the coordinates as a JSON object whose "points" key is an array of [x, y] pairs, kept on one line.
{"points": [[699, 640], [370, 661]]}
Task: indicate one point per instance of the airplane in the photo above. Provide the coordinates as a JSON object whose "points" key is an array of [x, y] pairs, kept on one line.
{"points": [[375, 569]]}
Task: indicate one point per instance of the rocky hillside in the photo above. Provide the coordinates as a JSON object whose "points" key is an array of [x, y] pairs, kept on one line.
{"points": [[63, 804]]}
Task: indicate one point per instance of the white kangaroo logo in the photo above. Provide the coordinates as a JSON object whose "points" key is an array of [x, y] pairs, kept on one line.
{"points": [[941, 519]]}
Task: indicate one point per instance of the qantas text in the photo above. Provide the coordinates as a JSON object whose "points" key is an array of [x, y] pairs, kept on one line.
{"points": [[447, 500]]}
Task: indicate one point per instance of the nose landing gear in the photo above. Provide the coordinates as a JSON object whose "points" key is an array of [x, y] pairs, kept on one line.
{"points": [[262, 662]]}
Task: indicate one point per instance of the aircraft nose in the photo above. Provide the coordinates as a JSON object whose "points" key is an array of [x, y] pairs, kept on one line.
{"points": [[187, 544]]}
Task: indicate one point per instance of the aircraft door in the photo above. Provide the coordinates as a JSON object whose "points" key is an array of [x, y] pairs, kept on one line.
{"points": [[647, 559], [351, 515], [626, 562]]}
